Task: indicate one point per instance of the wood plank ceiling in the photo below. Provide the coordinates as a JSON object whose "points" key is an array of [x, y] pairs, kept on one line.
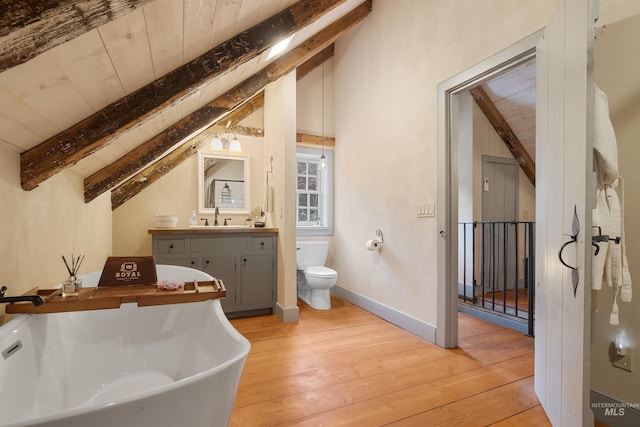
{"points": [[94, 86], [508, 100], [121, 92]]}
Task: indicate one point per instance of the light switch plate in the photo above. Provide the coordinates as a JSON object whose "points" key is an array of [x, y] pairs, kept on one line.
{"points": [[431, 210], [426, 210]]}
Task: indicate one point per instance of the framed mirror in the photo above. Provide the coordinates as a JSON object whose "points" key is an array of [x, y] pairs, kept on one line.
{"points": [[223, 183]]}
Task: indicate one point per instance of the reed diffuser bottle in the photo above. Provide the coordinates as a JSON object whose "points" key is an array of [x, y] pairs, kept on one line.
{"points": [[72, 286]]}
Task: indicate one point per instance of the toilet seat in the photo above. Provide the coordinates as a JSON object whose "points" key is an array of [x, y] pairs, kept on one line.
{"points": [[321, 272]]}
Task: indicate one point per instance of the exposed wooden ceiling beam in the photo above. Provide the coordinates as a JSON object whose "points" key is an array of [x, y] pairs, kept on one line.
{"points": [[240, 130], [210, 114], [89, 135], [29, 28], [314, 62], [271, 73], [136, 159], [527, 164], [154, 171], [303, 138]]}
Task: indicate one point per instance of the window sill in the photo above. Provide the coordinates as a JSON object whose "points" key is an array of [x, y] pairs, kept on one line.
{"points": [[314, 231]]}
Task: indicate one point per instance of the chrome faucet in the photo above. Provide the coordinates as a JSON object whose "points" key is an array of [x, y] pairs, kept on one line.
{"points": [[35, 299], [215, 222]]}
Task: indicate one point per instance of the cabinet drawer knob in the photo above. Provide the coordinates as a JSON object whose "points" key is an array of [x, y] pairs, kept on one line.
{"points": [[193, 262], [206, 262], [170, 246]]}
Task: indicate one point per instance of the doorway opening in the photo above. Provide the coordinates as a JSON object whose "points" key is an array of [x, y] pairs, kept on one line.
{"points": [[496, 197], [462, 143]]}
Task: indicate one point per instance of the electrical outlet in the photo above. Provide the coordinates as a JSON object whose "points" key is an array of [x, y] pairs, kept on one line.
{"points": [[623, 362]]}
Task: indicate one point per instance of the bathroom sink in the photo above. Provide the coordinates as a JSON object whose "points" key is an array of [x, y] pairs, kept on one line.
{"points": [[219, 227]]}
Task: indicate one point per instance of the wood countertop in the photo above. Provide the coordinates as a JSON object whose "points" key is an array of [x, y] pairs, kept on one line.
{"points": [[211, 230]]}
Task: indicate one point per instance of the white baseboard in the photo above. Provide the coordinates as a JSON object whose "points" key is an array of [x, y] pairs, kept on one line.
{"points": [[287, 314], [404, 321]]}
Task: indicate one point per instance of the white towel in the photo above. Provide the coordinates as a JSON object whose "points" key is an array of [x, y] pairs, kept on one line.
{"points": [[610, 266]]}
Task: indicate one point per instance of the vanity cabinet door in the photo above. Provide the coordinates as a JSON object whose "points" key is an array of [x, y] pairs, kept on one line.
{"points": [[257, 281], [223, 267]]}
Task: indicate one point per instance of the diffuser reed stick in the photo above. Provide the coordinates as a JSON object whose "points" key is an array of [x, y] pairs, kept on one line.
{"points": [[75, 264]]}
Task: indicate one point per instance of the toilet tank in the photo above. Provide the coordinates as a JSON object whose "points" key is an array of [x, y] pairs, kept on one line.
{"points": [[311, 253]]}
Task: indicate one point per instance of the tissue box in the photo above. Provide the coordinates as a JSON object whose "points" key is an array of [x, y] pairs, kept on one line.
{"points": [[165, 221]]}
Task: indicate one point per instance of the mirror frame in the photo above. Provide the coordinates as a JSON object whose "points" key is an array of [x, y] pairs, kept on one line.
{"points": [[202, 157]]}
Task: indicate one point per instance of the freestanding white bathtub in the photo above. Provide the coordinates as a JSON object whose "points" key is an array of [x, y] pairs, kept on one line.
{"points": [[167, 365]]}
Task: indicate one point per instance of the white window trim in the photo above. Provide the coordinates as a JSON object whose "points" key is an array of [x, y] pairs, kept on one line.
{"points": [[327, 194]]}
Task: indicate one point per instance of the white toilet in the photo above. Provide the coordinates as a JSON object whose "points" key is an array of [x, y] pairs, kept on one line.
{"points": [[314, 279]]}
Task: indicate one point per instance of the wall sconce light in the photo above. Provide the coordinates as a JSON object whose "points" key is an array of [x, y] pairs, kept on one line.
{"points": [[225, 142]]}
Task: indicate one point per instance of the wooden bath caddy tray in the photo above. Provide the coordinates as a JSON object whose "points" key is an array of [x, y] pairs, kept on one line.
{"points": [[113, 296]]}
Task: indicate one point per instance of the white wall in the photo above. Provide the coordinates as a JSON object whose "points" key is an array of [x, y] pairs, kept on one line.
{"points": [[309, 118], [280, 142], [37, 227], [616, 72], [386, 73], [466, 153], [309, 101]]}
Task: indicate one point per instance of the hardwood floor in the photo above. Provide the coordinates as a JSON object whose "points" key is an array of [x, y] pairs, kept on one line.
{"points": [[501, 302], [347, 367]]}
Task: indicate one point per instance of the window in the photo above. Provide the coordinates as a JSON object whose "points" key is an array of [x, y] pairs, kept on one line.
{"points": [[314, 192]]}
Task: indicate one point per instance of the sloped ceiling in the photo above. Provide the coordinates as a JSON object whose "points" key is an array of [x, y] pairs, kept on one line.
{"points": [[70, 68], [514, 95], [90, 71], [508, 100]]}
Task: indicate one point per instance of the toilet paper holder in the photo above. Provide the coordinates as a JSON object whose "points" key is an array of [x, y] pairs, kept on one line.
{"points": [[375, 245]]}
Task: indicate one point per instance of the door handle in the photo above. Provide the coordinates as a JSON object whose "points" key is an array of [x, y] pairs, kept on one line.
{"points": [[573, 240], [575, 230]]}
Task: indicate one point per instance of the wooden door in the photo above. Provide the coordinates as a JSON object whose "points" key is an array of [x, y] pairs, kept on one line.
{"points": [[499, 206], [564, 186], [499, 189]]}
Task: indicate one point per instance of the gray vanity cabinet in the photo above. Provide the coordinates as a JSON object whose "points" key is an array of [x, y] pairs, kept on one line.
{"points": [[224, 267], [244, 261], [256, 285]]}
